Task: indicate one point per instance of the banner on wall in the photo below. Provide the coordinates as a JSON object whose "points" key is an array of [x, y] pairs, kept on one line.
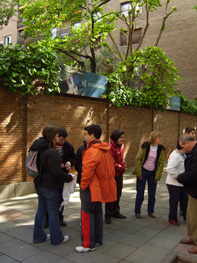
{"points": [[83, 83], [175, 103]]}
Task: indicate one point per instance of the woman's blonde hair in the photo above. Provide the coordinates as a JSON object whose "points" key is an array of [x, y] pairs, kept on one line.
{"points": [[153, 136], [49, 133]]}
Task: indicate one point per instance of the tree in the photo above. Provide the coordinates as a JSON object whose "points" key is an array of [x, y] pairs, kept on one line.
{"points": [[42, 16], [7, 9], [129, 16]]}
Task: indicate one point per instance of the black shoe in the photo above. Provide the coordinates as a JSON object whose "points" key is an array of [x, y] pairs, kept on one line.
{"points": [[46, 224], [63, 223], [108, 219], [120, 216]]}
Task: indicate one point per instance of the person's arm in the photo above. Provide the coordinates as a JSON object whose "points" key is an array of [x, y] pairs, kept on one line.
{"points": [[119, 167], [89, 164], [190, 176], [138, 162], [173, 165], [54, 163], [160, 166]]}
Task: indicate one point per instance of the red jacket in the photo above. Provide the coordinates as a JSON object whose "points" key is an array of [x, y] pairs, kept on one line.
{"points": [[98, 172], [117, 154]]}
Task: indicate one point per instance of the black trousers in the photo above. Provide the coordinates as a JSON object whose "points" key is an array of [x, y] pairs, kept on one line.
{"points": [[113, 208], [92, 221], [177, 194]]}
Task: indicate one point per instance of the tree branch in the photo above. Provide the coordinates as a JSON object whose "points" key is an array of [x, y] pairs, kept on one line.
{"points": [[146, 27], [116, 48], [163, 23]]}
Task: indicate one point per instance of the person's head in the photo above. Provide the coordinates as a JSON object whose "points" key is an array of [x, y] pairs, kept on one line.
{"points": [[50, 132], [187, 142], [118, 137], [92, 132], [190, 131], [61, 139], [178, 146], [155, 138]]}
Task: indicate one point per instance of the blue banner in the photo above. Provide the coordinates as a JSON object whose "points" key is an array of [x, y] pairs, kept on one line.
{"points": [[83, 83], [175, 103]]}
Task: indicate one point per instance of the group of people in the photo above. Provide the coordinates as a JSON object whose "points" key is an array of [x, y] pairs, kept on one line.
{"points": [[100, 168]]}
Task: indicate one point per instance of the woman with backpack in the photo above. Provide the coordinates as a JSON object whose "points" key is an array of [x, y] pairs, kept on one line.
{"points": [[49, 186]]}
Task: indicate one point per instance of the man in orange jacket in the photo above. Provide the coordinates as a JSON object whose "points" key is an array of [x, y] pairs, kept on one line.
{"points": [[98, 186]]}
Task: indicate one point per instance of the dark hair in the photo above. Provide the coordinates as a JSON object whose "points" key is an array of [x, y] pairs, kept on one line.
{"points": [[62, 133], [189, 129], [178, 146], [49, 133], [94, 129], [116, 134]]}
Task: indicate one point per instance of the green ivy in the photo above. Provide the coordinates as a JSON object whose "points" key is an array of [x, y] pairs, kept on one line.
{"points": [[147, 79], [29, 70]]}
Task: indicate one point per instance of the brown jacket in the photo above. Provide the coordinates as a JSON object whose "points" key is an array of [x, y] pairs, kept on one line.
{"points": [[98, 172]]}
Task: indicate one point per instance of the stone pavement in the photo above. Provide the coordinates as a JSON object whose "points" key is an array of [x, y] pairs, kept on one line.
{"points": [[125, 241]]}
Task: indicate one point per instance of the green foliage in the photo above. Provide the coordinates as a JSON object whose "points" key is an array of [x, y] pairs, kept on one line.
{"points": [[188, 106], [41, 16], [7, 10], [29, 70], [146, 79]]}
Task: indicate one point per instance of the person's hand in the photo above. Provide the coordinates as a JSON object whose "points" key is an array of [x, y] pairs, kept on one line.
{"points": [[155, 180], [67, 165], [140, 177]]}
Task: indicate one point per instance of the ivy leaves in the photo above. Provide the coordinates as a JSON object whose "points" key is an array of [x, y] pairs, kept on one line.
{"points": [[29, 70], [147, 79]]}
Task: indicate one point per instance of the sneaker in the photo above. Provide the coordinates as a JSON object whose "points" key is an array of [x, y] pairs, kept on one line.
{"points": [[81, 249], [66, 238], [48, 237]]}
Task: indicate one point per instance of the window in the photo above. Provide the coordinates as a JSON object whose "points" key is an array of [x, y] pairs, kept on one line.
{"points": [[137, 34], [54, 32], [8, 40], [125, 7]]}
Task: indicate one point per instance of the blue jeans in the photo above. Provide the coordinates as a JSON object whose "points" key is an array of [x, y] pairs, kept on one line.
{"points": [[48, 200], [148, 176]]}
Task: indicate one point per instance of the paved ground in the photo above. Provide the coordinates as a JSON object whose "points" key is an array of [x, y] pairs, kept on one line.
{"points": [[125, 241]]}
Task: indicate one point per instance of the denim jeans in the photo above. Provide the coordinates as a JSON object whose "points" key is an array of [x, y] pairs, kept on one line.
{"points": [[48, 200], [148, 176]]}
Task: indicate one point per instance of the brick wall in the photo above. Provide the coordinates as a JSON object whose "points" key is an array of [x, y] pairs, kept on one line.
{"points": [[21, 125]]}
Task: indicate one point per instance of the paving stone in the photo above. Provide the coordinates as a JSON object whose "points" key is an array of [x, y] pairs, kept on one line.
{"points": [[18, 250], [148, 253], [6, 259]]}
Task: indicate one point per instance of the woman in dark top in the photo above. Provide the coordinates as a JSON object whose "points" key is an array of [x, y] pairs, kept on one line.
{"points": [[48, 186]]}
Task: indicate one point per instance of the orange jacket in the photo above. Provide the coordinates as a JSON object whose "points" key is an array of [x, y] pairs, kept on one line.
{"points": [[98, 172]]}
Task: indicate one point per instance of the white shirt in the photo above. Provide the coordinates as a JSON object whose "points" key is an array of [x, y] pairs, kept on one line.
{"points": [[175, 167]]}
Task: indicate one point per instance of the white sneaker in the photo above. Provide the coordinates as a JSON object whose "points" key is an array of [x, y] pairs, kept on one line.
{"points": [[66, 238], [81, 249], [48, 237]]}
